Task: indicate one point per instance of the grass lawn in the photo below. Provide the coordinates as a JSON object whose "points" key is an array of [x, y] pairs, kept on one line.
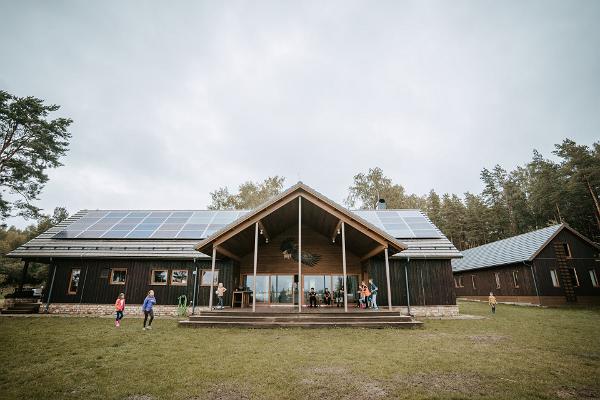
{"points": [[521, 352]]}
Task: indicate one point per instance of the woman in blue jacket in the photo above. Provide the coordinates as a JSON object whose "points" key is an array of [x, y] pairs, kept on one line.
{"points": [[149, 302]]}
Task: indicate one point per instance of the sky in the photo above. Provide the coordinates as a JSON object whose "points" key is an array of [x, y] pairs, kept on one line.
{"points": [[172, 100]]}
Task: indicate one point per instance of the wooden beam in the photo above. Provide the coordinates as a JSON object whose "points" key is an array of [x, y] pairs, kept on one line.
{"points": [[255, 267], [344, 267], [300, 293], [227, 253], [264, 230], [387, 277], [370, 254], [212, 278], [335, 231]]}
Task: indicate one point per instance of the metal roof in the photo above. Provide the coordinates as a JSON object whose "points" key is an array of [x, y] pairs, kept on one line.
{"points": [[47, 245], [506, 251]]}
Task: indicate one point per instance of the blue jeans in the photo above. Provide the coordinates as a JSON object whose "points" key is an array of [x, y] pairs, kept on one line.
{"points": [[374, 300], [119, 315], [220, 302]]}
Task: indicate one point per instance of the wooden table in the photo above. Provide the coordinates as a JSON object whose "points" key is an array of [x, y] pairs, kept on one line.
{"points": [[241, 297]]}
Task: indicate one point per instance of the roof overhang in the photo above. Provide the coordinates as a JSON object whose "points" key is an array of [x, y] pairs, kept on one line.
{"points": [[322, 214]]}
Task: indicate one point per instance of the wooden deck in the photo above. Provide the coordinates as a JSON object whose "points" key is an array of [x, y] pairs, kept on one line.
{"points": [[328, 318]]}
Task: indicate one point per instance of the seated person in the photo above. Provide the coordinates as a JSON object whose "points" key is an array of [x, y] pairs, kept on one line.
{"points": [[327, 297], [312, 297]]}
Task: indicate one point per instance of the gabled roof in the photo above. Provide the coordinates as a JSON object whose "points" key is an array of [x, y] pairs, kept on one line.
{"points": [[515, 249], [294, 192]]}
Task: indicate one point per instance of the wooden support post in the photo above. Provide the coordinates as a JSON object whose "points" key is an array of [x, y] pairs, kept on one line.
{"points": [[387, 277], [344, 266], [407, 288], [255, 267], [212, 278], [300, 293], [24, 275]]}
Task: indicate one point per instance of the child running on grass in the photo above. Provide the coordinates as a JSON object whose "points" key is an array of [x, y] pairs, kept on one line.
{"points": [[492, 302], [149, 302], [119, 307]]}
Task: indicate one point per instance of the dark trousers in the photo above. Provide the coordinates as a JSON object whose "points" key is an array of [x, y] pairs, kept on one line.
{"points": [[119, 315], [493, 309], [313, 301], [146, 314]]}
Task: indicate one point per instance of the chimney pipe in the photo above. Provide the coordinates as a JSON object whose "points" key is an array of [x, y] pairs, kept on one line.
{"points": [[381, 204]]}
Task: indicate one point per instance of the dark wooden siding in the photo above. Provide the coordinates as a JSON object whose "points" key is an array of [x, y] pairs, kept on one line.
{"points": [[485, 281], [583, 258], [429, 281], [93, 288]]}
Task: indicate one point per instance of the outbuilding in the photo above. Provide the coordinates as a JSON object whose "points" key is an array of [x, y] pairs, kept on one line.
{"points": [[550, 266]]}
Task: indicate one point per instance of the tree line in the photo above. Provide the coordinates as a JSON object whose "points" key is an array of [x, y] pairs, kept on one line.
{"points": [[540, 193]]}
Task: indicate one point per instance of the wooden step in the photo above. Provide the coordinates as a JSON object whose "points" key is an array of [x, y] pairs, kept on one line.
{"points": [[302, 318], [17, 311], [300, 324]]}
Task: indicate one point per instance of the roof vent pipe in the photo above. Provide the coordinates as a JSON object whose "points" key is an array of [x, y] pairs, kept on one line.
{"points": [[381, 204]]}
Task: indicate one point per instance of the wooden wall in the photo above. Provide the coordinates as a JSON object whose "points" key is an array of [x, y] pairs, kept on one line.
{"points": [[485, 281], [271, 261], [93, 288], [429, 281], [583, 259]]}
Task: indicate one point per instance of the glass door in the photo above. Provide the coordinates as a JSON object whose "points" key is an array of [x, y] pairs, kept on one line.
{"points": [[282, 291], [262, 287]]}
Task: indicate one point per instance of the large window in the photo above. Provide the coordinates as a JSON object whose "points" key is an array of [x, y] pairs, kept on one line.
{"points": [[554, 276], [206, 277], [497, 276], [594, 278], [179, 277], [74, 281], [159, 276], [574, 277], [516, 278], [118, 276]]}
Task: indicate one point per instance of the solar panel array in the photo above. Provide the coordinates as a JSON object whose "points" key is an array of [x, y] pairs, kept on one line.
{"points": [[148, 224], [401, 224]]}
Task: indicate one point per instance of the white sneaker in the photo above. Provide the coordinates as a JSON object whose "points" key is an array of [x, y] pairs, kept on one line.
{"points": [[148, 327], [144, 328]]}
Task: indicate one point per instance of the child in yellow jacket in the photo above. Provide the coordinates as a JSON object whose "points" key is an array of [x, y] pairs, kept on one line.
{"points": [[492, 302]]}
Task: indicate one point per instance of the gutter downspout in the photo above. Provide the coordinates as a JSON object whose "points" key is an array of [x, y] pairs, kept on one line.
{"points": [[195, 285], [50, 291], [406, 280], [534, 282]]}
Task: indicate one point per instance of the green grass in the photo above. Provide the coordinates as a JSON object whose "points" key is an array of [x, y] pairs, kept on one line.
{"points": [[521, 352]]}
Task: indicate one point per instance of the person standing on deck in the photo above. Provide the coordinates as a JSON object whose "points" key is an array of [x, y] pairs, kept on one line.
{"points": [[220, 293], [492, 302], [147, 308], [374, 289], [339, 297]]}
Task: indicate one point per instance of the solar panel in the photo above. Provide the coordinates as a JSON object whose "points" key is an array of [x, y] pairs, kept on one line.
{"points": [[402, 224], [100, 224], [97, 224]]}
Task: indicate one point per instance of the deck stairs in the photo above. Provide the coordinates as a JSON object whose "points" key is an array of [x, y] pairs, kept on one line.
{"points": [[309, 319], [22, 308], [563, 270]]}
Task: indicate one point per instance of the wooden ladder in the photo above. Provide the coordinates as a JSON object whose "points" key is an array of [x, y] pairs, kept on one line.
{"points": [[563, 270]]}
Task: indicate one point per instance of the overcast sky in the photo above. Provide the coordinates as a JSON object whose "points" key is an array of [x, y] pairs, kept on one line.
{"points": [[172, 100]]}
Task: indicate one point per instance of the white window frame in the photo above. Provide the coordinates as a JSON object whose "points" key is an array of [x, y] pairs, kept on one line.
{"points": [[187, 275], [112, 275], [473, 282], [69, 291], [576, 283], [594, 278], [567, 248], [215, 278], [515, 275], [497, 277], [153, 282], [554, 277]]}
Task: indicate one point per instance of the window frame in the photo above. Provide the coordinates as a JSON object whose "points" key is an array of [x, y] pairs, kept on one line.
{"points": [[576, 283], [154, 283], [202, 273], [69, 291], [497, 278], [473, 282], [112, 276], [187, 275], [554, 278], [460, 281], [567, 250], [515, 275], [594, 277]]}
